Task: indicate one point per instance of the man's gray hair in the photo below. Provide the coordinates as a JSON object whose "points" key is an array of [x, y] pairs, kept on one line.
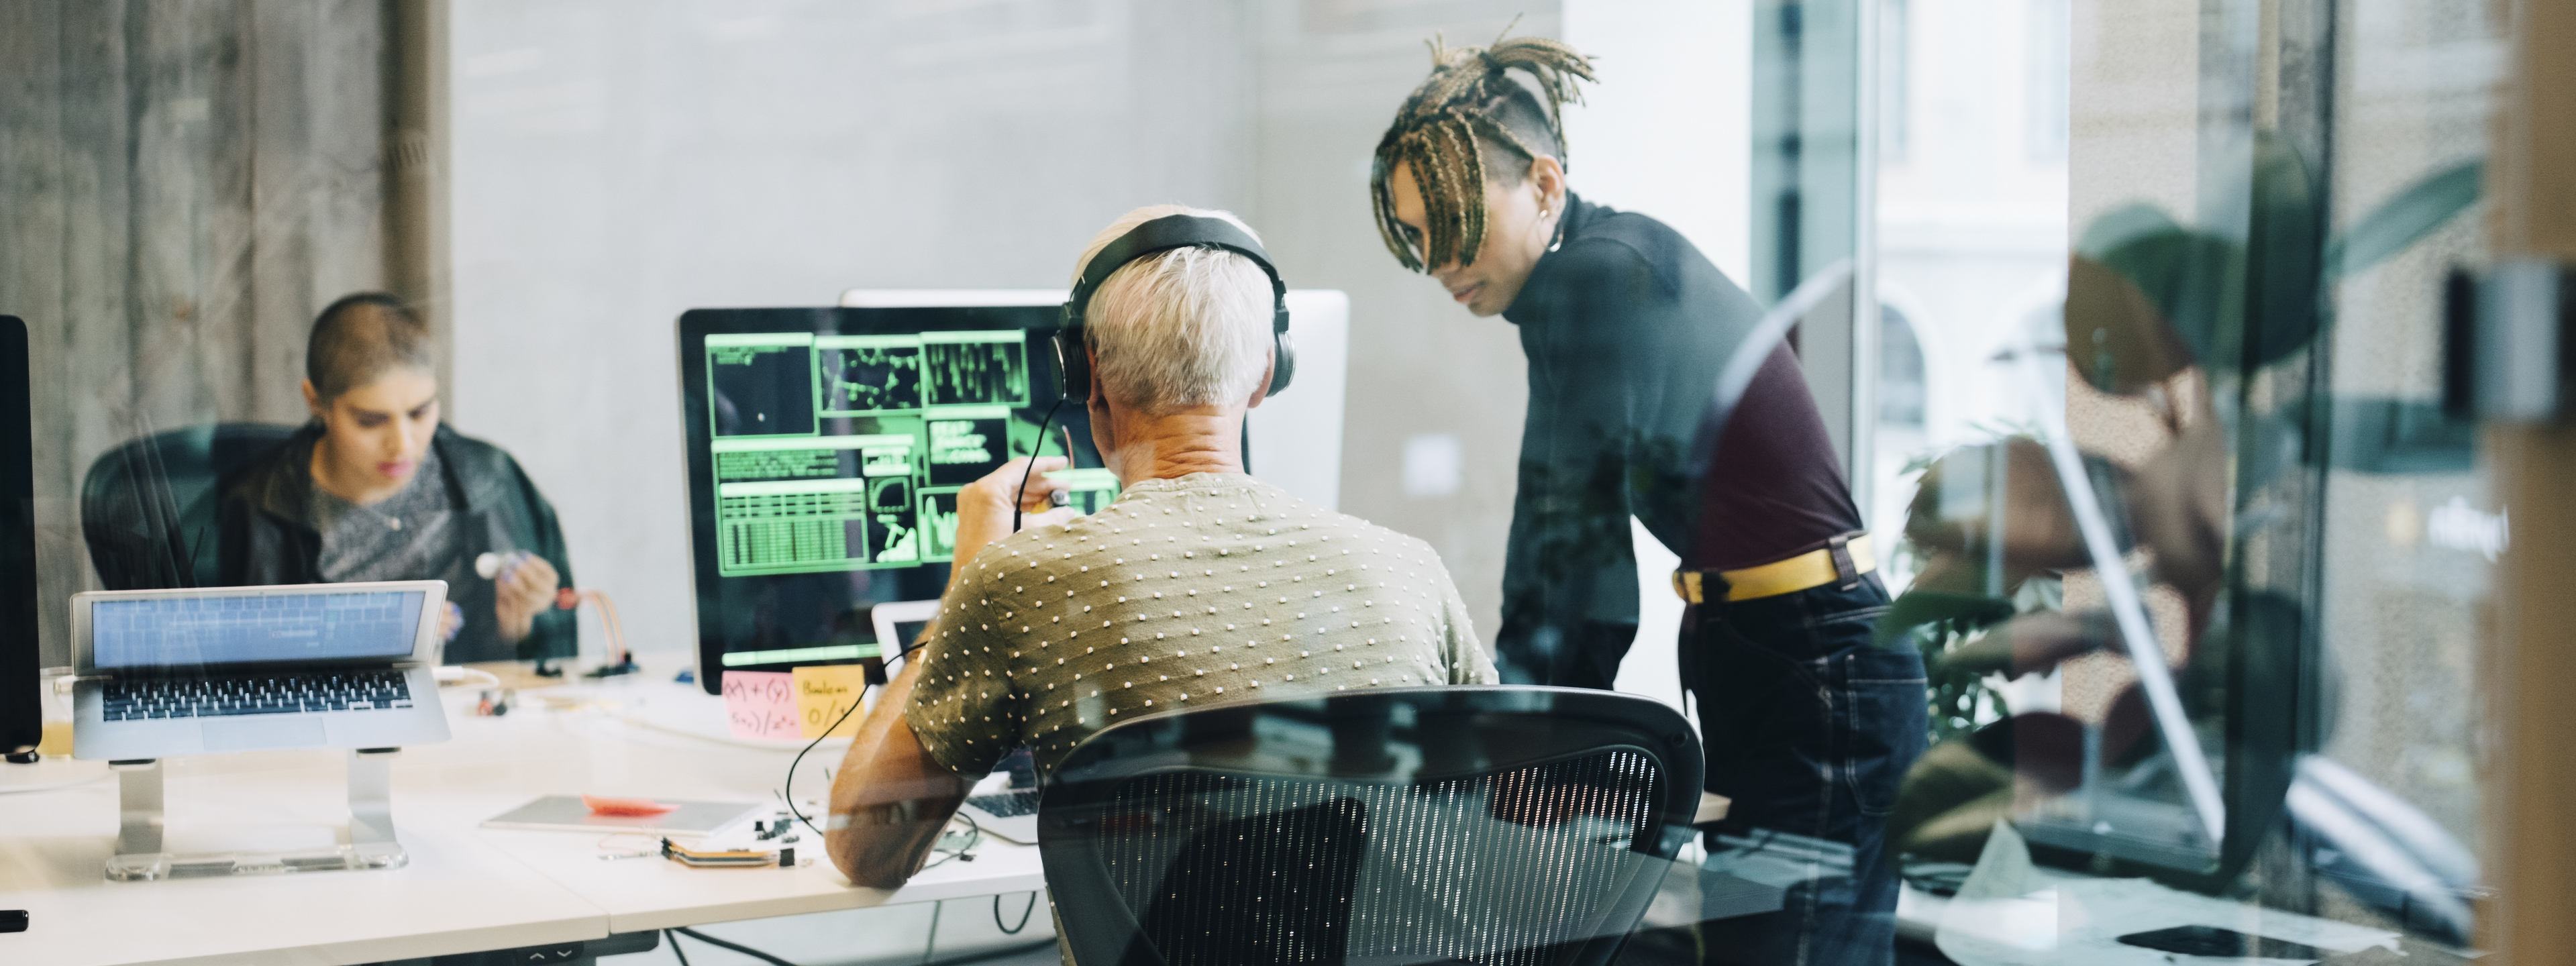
{"points": [[1182, 328]]}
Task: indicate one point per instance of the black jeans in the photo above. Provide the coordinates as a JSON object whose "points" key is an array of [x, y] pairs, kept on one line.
{"points": [[1808, 728]]}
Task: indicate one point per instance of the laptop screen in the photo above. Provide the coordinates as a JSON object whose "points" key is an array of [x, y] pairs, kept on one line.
{"points": [[182, 631]]}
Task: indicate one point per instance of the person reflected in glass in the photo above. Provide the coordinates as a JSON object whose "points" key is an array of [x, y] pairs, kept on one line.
{"points": [[1068, 624], [1806, 724], [2001, 505], [376, 487]]}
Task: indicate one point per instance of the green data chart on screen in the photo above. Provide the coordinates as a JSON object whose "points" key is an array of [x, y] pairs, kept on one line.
{"points": [[845, 452]]}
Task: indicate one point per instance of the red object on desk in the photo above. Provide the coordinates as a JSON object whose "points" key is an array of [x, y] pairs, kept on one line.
{"points": [[602, 805]]}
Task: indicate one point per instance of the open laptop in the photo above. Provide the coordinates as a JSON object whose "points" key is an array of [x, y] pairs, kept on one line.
{"points": [[1009, 814], [185, 672]]}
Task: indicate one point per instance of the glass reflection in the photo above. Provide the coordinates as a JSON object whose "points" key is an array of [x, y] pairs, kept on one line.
{"points": [[2244, 357]]}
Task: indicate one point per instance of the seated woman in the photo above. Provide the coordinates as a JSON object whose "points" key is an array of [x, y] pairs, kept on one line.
{"points": [[376, 488]]}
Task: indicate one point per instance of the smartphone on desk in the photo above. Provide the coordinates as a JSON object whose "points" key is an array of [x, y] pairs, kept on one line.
{"points": [[2214, 941]]}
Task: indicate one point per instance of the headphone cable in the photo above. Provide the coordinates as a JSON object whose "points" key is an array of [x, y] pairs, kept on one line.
{"points": [[1034, 450]]}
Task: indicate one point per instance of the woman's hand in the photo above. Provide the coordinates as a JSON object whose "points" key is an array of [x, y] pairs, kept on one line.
{"points": [[528, 589], [984, 506]]}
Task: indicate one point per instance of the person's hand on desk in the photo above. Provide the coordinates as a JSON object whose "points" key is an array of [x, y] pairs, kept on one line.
{"points": [[520, 594]]}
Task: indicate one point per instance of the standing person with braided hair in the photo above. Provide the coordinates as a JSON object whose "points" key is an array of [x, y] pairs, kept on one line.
{"points": [[1806, 724]]}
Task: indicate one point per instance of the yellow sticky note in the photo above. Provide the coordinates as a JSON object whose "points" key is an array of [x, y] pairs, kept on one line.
{"points": [[824, 694]]}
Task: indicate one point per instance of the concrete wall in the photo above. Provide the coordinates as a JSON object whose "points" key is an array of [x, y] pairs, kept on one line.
{"points": [[182, 186], [618, 163]]}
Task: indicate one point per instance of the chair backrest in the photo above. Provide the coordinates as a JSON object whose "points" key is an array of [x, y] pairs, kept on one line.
{"points": [[148, 505], [1491, 825]]}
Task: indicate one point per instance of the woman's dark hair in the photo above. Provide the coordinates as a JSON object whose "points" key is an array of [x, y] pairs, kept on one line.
{"points": [[1468, 122], [361, 337]]}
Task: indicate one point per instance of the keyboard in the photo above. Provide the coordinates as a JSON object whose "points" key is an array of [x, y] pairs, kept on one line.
{"points": [[219, 695], [1008, 804]]}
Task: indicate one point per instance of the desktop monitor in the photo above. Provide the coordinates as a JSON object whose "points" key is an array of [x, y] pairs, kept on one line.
{"points": [[825, 449], [20, 724]]}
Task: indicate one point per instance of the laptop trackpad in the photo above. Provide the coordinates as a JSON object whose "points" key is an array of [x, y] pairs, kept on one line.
{"points": [[248, 734]]}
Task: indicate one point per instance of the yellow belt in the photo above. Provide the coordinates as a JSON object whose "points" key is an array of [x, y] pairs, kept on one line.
{"points": [[1805, 571]]}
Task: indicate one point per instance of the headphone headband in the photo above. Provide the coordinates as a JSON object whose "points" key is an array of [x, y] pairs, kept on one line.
{"points": [[1164, 234], [1073, 361]]}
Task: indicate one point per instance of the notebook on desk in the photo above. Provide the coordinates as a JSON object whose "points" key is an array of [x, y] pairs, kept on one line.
{"points": [[185, 672], [567, 813]]}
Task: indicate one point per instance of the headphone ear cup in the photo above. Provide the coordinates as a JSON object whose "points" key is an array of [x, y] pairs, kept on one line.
{"points": [[1284, 362], [1073, 366]]}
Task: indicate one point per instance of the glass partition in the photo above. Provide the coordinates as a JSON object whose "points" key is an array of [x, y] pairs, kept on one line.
{"points": [[2198, 575], [2122, 318]]}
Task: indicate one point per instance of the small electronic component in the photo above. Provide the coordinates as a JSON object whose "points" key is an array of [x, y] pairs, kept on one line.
{"points": [[705, 858]]}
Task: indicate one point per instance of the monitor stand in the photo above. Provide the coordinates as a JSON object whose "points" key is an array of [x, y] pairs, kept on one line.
{"points": [[371, 843]]}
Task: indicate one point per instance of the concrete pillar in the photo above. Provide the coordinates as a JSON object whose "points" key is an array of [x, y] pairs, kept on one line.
{"points": [[182, 185]]}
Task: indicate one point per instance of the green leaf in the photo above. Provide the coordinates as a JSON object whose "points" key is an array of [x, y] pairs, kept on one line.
{"points": [[1919, 607], [2418, 211]]}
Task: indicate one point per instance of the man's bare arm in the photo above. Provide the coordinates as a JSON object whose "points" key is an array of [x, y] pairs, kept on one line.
{"points": [[891, 798]]}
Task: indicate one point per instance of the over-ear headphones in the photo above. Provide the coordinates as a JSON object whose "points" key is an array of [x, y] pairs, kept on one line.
{"points": [[1073, 361]]}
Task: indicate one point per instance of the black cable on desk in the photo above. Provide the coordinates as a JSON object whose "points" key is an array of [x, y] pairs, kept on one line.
{"points": [[1025, 913], [775, 961], [790, 792], [736, 947], [995, 953], [975, 832]]}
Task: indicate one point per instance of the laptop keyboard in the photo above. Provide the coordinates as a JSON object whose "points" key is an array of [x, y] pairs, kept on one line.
{"points": [[219, 695], [1008, 804]]}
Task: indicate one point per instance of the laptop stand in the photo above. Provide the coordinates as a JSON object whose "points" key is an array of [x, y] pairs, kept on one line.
{"points": [[371, 842]]}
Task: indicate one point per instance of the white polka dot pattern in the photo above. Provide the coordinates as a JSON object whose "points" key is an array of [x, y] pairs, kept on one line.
{"points": [[1004, 667]]}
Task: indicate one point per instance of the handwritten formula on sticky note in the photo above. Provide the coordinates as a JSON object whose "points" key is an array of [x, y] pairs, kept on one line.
{"points": [[825, 694], [761, 704]]}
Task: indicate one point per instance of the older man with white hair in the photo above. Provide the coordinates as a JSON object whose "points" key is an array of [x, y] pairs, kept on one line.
{"points": [[1199, 585]]}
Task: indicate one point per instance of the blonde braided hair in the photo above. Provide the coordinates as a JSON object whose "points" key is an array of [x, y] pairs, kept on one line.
{"points": [[1436, 135]]}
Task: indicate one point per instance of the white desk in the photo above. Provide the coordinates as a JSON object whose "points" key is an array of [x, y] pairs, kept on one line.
{"points": [[466, 888], [621, 751]]}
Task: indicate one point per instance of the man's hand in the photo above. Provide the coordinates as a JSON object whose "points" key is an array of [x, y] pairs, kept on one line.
{"points": [[984, 506], [523, 593], [995, 492]]}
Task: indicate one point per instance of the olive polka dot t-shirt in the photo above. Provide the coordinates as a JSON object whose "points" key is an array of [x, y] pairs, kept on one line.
{"points": [[1184, 593]]}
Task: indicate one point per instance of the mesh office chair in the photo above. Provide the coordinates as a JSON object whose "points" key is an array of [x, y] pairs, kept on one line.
{"points": [[1493, 825], [148, 505]]}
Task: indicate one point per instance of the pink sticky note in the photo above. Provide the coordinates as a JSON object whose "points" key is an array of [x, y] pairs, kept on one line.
{"points": [[761, 704]]}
